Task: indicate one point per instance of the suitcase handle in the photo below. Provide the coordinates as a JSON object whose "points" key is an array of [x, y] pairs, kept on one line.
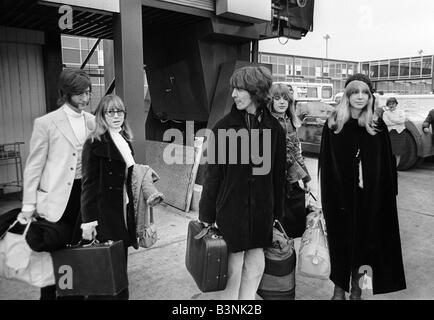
{"points": [[205, 231]]}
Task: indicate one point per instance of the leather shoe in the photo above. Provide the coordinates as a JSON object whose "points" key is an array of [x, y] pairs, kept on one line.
{"points": [[338, 294]]}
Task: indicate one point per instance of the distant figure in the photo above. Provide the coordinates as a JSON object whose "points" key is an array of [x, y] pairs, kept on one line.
{"points": [[395, 121], [428, 121]]}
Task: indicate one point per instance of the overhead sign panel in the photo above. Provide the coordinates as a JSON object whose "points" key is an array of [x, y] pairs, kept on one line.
{"points": [[104, 5], [254, 11]]}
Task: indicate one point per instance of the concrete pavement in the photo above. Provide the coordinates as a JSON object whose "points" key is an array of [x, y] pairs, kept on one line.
{"points": [[159, 273]]}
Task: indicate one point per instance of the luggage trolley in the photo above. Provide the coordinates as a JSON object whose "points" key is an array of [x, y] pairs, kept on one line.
{"points": [[10, 155]]}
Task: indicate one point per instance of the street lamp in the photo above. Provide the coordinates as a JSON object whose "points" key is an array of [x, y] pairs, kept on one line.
{"points": [[327, 37]]}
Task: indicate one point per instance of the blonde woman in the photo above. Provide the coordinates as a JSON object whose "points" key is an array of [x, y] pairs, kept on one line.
{"points": [[282, 108], [358, 191], [107, 165]]}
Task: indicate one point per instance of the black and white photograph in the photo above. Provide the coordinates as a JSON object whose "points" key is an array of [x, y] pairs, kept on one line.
{"points": [[214, 155]]}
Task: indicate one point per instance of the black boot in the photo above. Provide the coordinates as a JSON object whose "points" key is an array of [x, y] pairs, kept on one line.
{"points": [[338, 294], [356, 291]]}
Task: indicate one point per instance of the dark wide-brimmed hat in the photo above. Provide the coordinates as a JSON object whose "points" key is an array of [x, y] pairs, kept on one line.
{"points": [[360, 77], [390, 100]]}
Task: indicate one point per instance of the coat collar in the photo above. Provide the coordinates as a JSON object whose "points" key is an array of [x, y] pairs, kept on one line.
{"points": [[62, 123], [237, 118], [106, 148]]}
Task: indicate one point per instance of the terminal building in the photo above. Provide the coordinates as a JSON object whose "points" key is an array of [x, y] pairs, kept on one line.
{"points": [[410, 75]]}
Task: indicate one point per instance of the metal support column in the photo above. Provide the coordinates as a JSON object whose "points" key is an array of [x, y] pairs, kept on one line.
{"points": [[53, 65], [128, 57]]}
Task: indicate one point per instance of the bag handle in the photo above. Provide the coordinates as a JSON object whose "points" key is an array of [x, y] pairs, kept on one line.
{"points": [[151, 215], [277, 222]]}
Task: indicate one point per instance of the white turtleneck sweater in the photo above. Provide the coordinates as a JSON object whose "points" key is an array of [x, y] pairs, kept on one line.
{"points": [[78, 124], [122, 146]]}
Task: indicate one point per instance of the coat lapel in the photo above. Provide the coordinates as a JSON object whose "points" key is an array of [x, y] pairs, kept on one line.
{"points": [[106, 148], [62, 123]]}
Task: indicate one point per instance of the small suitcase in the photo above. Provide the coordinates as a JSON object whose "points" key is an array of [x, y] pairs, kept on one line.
{"points": [[94, 270], [206, 257]]}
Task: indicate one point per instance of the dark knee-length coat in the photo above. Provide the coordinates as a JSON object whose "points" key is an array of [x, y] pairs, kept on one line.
{"points": [[243, 204], [362, 223], [102, 199]]}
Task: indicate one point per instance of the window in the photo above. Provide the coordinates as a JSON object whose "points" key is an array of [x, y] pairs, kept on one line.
{"points": [[265, 59], [68, 42], [427, 66], [394, 68], [365, 68], [404, 68], [281, 69], [71, 56], [374, 71], [93, 59], [87, 43], [384, 71], [327, 92], [416, 64]]}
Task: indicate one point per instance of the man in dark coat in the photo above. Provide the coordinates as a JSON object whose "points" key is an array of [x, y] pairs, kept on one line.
{"points": [[242, 203], [358, 190]]}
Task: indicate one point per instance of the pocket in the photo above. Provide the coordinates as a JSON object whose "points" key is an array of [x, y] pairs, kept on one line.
{"points": [[41, 201]]}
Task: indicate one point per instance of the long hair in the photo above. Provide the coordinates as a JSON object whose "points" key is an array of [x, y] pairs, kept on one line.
{"points": [[282, 90], [256, 81], [342, 113], [72, 82], [110, 101]]}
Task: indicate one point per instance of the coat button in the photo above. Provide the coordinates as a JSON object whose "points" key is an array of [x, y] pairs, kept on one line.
{"points": [[110, 188], [72, 169], [110, 173], [69, 183], [73, 154]]}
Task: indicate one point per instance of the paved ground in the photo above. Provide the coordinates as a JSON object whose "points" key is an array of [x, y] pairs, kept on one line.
{"points": [[159, 273]]}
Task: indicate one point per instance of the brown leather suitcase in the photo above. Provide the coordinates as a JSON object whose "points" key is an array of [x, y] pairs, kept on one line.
{"points": [[94, 270], [206, 257]]}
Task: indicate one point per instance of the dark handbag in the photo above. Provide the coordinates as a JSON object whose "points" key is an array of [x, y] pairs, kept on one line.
{"points": [[206, 257], [294, 218], [91, 270], [278, 280]]}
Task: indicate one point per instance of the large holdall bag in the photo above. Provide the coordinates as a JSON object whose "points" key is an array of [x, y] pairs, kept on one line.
{"points": [[278, 280], [206, 257], [91, 270]]}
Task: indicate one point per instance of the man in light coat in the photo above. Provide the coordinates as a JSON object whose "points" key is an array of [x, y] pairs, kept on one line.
{"points": [[52, 175]]}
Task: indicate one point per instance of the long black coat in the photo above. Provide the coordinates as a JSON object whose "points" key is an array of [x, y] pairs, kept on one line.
{"points": [[243, 204], [362, 224], [102, 198]]}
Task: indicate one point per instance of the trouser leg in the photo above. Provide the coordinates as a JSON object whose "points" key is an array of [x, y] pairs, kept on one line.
{"points": [[253, 269], [48, 293], [235, 267]]}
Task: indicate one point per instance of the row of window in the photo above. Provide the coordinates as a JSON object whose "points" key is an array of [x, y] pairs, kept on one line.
{"points": [[308, 67], [399, 68], [405, 87]]}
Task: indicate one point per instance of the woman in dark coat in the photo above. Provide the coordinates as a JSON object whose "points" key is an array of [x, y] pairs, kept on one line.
{"points": [[358, 189], [244, 197], [107, 164]]}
